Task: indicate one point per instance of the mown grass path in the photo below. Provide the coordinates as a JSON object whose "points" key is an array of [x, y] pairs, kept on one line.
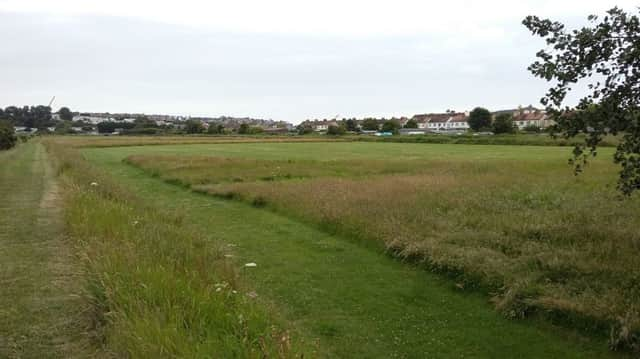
{"points": [[353, 299], [40, 303]]}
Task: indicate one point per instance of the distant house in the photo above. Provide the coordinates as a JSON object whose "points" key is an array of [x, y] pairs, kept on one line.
{"points": [[538, 119], [320, 125], [527, 116], [94, 120], [442, 121]]}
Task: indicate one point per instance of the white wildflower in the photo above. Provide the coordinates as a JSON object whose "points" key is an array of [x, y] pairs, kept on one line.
{"points": [[251, 265], [94, 184]]}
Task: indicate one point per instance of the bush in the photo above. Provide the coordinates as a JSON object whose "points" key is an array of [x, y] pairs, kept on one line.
{"points": [[411, 124], [193, 126], [254, 130], [111, 126], [391, 126], [215, 129], [532, 128], [503, 124], [8, 138], [304, 129], [336, 130], [243, 129], [479, 119]]}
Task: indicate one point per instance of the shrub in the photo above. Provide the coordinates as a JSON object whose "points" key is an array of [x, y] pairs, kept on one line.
{"points": [[532, 128], [411, 124], [216, 129], [479, 119], [194, 126], [336, 130], [8, 138], [503, 124], [391, 126], [304, 129]]}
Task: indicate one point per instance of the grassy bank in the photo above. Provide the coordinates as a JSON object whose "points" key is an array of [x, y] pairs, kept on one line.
{"points": [[511, 220], [159, 287]]}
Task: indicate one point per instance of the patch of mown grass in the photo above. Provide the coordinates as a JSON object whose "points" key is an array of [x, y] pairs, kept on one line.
{"points": [[160, 288], [541, 240], [42, 308]]}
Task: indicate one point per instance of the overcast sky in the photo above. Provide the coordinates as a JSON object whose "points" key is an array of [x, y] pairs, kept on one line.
{"points": [[280, 59]]}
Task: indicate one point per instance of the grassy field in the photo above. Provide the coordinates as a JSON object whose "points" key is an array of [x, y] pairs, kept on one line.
{"points": [[523, 159], [42, 306], [139, 267], [510, 220], [352, 299]]}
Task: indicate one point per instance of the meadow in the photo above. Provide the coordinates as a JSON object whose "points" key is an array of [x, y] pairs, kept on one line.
{"points": [[356, 250], [511, 221]]}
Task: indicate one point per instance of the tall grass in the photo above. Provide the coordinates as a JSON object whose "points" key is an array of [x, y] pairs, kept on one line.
{"points": [[195, 170], [160, 288], [111, 141], [536, 238], [520, 139]]}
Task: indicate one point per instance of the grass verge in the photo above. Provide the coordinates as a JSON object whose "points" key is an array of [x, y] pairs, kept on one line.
{"points": [[158, 287], [42, 303]]}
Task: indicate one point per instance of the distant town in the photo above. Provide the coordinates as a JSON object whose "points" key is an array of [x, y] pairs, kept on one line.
{"points": [[40, 119]]}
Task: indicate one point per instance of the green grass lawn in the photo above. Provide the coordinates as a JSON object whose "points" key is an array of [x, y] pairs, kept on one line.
{"points": [[42, 310], [352, 298]]}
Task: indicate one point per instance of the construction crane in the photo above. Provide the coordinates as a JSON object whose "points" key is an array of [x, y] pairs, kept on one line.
{"points": [[51, 102]]}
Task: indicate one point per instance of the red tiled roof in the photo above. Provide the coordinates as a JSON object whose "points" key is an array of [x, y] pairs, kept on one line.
{"points": [[459, 117], [532, 116]]}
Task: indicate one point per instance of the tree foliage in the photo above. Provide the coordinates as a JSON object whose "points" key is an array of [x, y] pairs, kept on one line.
{"points": [[216, 129], [605, 56], [8, 138], [479, 119], [144, 122], [351, 125], [411, 124], [243, 129], [503, 123], [193, 126], [65, 114], [28, 116], [370, 124], [110, 127], [336, 130], [391, 126], [304, 129]]}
